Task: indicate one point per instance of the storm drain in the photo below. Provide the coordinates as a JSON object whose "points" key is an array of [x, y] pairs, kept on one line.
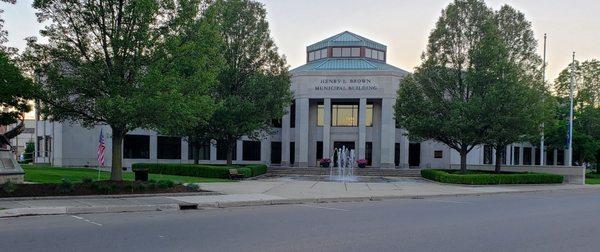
{"points": [[186, 206]]}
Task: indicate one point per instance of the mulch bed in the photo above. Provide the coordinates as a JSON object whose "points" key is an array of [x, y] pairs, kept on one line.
{"points": [[95, 188]]}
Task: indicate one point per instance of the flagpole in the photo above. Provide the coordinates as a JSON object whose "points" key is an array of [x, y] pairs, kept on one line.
{"points": [[570, 147], [542, 147]]}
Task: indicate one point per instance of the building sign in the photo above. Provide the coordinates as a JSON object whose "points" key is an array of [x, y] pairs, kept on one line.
{"points": [[359, 84]]}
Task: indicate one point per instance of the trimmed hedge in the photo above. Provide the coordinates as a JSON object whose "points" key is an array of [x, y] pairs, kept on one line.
{"points": [[200, 170], [490, 178]]}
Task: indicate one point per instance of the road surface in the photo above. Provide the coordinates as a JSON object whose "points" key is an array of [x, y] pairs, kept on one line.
{"points": [[543, 221]]}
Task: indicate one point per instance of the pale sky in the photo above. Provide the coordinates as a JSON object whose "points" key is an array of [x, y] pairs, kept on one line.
{"points": [[571, 25]]}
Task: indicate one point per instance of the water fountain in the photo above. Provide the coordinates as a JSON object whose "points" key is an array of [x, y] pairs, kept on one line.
{"points": [[344, 171]]}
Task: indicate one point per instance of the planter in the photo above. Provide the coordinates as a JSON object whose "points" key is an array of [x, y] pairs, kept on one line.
{"points": [[325, 165], [362, 165]]}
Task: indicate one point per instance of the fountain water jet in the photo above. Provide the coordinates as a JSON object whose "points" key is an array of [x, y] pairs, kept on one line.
{"points": [[345, 166]]}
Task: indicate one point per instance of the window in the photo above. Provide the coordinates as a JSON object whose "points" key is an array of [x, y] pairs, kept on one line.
{"points": [[39, 146], [320, 115], [251, 150], [324, 53], [48, 146], [346, 52], [344, 115], [337, 52], [381, 56], [368, 52], [317, 55], [537, 156], [374, 54], [311, 56], [276, 123], [438, 154], [319, 151], [293, 115], [527, 155], [203, 151], [369, 153], [355, 52], [136, 147], [275, 152], [397, 154], [550, 157], [516, 156], [168, 147], [560, 157], [222, 152], [487, 154], [369, 115]]}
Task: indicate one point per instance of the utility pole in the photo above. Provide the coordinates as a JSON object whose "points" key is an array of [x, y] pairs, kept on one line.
{"points": [[570, 144], [542, 147]]}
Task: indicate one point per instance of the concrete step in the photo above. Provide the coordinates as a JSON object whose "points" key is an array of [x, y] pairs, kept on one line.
{"points": [[358, 171]]}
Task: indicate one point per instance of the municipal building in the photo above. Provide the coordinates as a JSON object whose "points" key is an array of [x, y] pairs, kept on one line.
{"points": [[343, 96]]}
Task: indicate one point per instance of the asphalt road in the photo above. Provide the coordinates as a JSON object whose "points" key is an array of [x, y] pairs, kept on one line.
{"points": [[551, 221]]}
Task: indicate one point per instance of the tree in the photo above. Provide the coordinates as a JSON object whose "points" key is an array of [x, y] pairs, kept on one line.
{"points": [[193, 60], [511, 66], [440, 101], [100, 65], [15, 92], [3, 33], [587, 83], [254, 85]]}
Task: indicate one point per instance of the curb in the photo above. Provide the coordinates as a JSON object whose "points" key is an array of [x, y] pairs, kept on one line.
{"points": [[16, 212], [110, 196]]}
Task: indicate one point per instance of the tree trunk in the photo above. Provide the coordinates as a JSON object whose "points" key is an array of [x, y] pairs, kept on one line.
{"points": [[116, 170], [195, 154], [498, 165], [463, 159], [230, 146]]}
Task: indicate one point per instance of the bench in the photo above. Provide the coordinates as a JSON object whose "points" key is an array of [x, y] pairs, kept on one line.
{"points": [[233, 174]]}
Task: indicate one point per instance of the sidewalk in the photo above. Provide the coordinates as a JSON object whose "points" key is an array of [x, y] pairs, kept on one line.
{"points": [[261, 192]]}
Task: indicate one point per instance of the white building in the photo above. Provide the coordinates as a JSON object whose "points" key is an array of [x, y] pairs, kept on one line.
{"points": [[343, 96]]}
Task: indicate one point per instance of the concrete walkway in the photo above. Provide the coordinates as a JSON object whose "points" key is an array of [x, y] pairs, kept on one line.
{"points": [[260, 192]]}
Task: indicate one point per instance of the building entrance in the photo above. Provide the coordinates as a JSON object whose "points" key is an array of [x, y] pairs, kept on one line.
{"points": [[338, 145], [414, 154]]}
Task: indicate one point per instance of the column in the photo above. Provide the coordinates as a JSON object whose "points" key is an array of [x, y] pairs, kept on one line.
{"points": [[326, 127], [533, 155], [512, 154], [185, 149], [153, 147], [239, 149], [555, 156], [302, 132], [213, 151], [404, 147], [285, 139], [265, 149], [522, 147], [388, 133], [362, 128]]}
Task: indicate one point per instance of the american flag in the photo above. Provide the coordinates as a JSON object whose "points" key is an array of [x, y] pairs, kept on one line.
{"points": [[101, 148]]}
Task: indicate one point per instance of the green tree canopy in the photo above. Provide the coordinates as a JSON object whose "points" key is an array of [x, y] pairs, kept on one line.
{"points": [[478, 71], [254, 85], [16, 92], [110, 62]]}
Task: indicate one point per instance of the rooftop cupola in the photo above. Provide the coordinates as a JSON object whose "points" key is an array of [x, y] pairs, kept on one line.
{"points": [[346, 45]]}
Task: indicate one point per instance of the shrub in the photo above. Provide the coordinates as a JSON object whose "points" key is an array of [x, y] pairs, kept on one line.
{"points": [[193, 186], [65, 186], [87, 180], [164, 184], [9, 187], [205, 171], [490, 178], [257, 169]]}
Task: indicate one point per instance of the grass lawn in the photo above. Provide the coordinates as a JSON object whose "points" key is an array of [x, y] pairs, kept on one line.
{"points": [[592, 178], [45, 174]]}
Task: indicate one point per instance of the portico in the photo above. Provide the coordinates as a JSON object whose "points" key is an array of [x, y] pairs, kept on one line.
{"points": [[344, 95]]}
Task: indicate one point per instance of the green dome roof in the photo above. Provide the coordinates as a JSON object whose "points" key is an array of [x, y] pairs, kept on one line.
{"points": [[346, 39]]}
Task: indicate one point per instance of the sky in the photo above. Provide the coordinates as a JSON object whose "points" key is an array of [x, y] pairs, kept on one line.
{"points": [[571, 25]]}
